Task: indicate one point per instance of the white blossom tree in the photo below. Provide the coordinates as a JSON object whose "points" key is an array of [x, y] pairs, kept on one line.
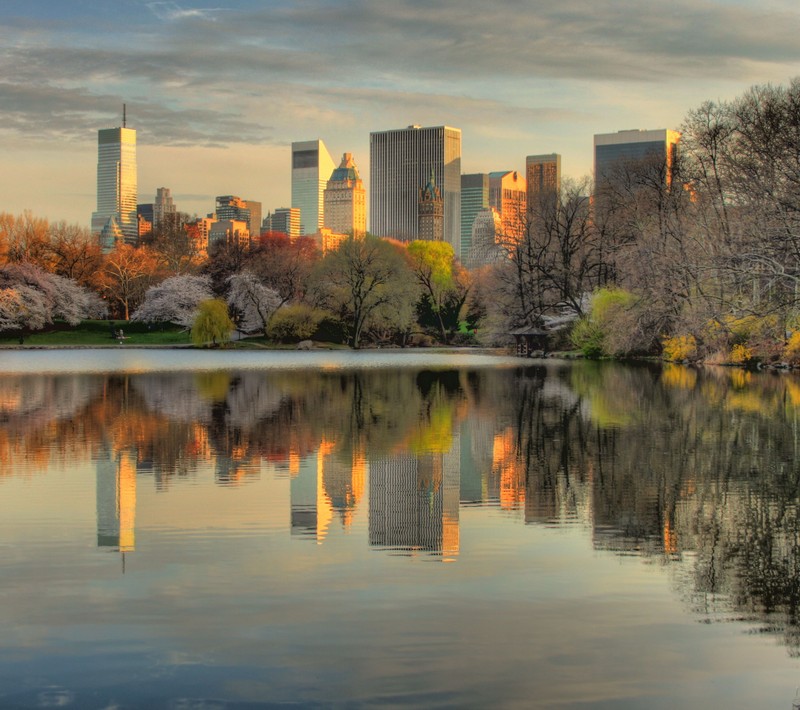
{"points": [[30, 298], [255, 301], [174, 300]]}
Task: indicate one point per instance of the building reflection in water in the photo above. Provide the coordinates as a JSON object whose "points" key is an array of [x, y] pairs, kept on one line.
{"points": [[697, 469], [116, 501]]}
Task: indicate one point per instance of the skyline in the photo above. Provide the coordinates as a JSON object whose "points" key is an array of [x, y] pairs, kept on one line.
{"points": [[217, 95]]}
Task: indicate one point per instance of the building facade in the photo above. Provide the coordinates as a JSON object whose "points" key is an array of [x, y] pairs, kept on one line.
{"points": [[543, 175], [345, 199], [231, 207], [163, 207], [116, 184], [401, 162], [431, 213], [474, 198], [229, 231], [312, 166], [285, 220], [612, 151], [508, 194], [484, 249]]}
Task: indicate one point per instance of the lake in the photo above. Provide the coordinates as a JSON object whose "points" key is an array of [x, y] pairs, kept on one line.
{"points": [[192, 530]]}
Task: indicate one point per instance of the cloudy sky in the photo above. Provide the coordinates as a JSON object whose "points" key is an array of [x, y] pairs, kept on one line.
{"points": [[218, 90]]}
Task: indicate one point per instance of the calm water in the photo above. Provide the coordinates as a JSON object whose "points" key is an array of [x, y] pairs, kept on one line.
{"points": [[244, 530]]}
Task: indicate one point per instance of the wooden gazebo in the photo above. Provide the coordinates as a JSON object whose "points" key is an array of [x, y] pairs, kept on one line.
{"points": [[530, 340]]}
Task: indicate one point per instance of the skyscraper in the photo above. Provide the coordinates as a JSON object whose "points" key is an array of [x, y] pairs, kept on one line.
{"points": [[543, 173], [283, 219], [431, 212], [345, 199], [401, 162], [163, 207], [231, 207], [613, 150], [509, 196], [312, 166], [474, 198], [116, 184]]}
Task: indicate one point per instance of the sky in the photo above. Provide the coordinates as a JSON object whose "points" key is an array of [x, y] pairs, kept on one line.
{"points": [[217, 91]]}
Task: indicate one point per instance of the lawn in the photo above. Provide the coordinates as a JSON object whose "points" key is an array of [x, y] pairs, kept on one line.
{"points": [[99, 333]]}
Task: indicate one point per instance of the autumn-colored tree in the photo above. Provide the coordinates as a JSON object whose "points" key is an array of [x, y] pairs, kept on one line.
{"points": [[173, 245], [284, 264], [24, 238], [127, 273], [75, 254]]}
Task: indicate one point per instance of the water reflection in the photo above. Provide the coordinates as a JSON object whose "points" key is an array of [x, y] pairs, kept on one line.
{"points": [[694, 469]]}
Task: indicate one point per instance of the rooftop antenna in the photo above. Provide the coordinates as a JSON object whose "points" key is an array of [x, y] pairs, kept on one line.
{"points": [[123, 116]]}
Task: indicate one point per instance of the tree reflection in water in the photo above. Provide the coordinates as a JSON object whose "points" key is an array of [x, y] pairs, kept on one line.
{"points": [[694, 468]]}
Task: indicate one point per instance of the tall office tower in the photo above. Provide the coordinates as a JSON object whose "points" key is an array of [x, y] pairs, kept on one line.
{"points": [[116, 184], [508, 194], [613, 151], [401, 162], [231, 207], [484, 249], [474, 197], [345, 200], [431, 212], [163, 207], [312, 166], [283, 219], [116, 501], [543, 173]]}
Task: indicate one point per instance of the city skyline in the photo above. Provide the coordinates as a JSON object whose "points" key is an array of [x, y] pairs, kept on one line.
{"points": [[218, 94]]}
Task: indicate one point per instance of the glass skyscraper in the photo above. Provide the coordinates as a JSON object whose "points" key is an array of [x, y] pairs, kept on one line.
{"points": [[612, 151], [401, 162], [474, 198], [312, 167], [116, 184]]}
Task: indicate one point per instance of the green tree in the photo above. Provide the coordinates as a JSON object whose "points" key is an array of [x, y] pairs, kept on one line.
{"points": [[433, 266], [212, 326], [361, 278]]}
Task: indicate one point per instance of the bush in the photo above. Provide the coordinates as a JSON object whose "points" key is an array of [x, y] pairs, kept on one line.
{"points": [[291, 324], [791, 352], [679, 347], [612, 327], [740, 354]]}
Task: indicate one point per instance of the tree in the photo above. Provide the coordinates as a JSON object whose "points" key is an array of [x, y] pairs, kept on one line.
{"points": [[255, 302], [127, 273], [75, 253], [24, 238], [360, 277], [212, 325], [284, 264], [173, 245], [433, 266], [174, 300], [30, 298]]}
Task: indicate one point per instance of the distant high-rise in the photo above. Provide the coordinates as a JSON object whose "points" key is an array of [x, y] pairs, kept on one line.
{"points": [[163, 207], [116, 184], [285, 220], [312, 166], [431, 212], [401, 162], [543, 173], [612, 151], [231, 207], [509, 196], [474, 198], [345, 200]]}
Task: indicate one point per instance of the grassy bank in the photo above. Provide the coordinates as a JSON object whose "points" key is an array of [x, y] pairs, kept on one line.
{"points": [[98, 333]]}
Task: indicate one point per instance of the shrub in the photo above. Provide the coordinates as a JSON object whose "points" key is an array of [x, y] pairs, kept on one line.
{"points": [[679, 347], [612, 327], [791, 352], [587, 336], [740, 354], [291, 324]]}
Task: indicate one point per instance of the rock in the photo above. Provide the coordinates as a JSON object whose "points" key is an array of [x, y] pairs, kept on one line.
{"points": [[305, 345]]}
